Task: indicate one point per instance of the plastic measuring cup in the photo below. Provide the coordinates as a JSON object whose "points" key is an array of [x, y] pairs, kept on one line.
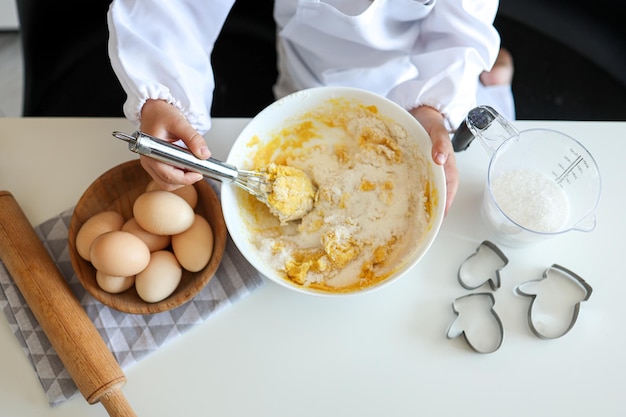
{"points": [[540, 183]]}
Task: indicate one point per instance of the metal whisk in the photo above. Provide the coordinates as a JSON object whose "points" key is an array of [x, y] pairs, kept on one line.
{"points": [[254, 182]]}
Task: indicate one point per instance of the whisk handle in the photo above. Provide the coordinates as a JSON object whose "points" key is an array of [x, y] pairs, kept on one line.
{"points": [[169, 153]]}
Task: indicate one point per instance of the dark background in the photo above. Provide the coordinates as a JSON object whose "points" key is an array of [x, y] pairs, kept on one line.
{"points": [[570, 60]]}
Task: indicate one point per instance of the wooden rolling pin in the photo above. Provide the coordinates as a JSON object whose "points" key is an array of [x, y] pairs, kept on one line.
{"points": [[71, 332]]}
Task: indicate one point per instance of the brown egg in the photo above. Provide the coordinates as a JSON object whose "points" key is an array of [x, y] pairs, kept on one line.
{"points": [[187, 192], [154, 241], [119, 254], [114, 285], [193, 247], [96, 225], [163, 213], [160, 278]]}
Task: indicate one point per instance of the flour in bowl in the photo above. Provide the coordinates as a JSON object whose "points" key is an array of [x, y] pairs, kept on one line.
{"points": [[372, 206]]}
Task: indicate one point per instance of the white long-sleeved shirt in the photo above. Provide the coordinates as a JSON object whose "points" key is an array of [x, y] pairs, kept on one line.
{"points": [[415, 52]]}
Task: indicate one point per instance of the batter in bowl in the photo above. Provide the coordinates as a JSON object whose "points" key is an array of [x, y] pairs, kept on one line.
{"points": [[373, 201]]}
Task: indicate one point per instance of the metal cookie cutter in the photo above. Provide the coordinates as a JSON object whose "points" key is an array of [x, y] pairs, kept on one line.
{"points": [[478, 322], [556, 299], [482, 266]]}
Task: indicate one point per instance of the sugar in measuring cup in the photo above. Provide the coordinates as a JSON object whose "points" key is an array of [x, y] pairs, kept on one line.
{"points": [[540, 183]]}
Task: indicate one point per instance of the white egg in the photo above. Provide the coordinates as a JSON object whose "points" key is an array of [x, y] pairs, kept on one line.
{"points": [[119, 254], [160, 278], [193, 247], [163, 213], [96, 225]]}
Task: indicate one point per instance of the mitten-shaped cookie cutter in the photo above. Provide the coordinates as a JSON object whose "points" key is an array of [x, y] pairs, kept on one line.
{"points": [[555, 301], [478, 322], [482, 267]]}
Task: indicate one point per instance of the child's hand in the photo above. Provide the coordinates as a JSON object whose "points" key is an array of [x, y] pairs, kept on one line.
{"points": [[164, 121], [442, 152]]}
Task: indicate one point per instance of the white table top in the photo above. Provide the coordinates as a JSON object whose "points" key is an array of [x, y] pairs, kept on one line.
{"points": [[280, 353]]}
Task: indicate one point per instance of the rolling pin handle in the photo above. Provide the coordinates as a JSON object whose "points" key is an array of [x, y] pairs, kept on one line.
{"points": [[116, 404]]}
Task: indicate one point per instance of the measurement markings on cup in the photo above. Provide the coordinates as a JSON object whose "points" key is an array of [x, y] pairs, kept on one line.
{"points": [[570, 170]]}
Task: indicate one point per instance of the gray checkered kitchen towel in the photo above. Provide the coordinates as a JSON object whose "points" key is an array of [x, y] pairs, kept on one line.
{"points": [[129, 336]]}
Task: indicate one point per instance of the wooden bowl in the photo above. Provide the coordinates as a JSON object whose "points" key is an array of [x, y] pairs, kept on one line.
{"points": [[117, 190]]}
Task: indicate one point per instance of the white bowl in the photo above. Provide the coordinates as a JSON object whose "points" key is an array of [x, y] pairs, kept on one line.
{"points": [[274, 118]]}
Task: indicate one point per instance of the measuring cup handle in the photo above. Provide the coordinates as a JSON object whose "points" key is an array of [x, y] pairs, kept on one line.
{"points": [[462, 138], [478, 120], [485, 123]]}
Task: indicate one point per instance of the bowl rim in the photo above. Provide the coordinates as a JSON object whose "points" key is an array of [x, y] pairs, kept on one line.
{"points": [[178, 298], [284, 109]]}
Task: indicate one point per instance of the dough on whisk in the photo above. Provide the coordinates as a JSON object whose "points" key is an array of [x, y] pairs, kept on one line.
{"points": [[292, 193]]}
